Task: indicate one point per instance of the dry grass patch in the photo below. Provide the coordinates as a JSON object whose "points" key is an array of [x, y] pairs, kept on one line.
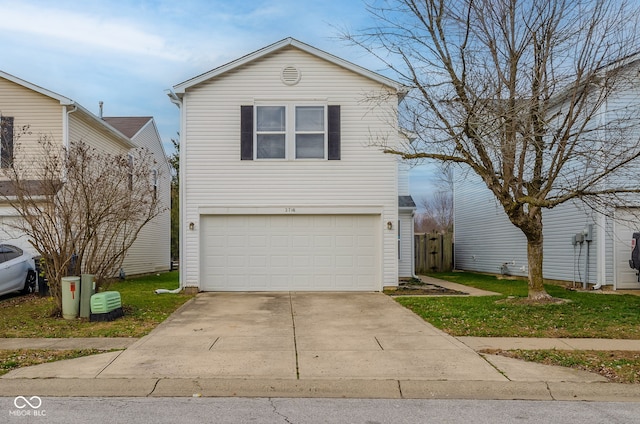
{"points": [[616, 366]]}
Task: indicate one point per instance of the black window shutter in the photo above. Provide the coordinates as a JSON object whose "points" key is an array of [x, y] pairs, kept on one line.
{"points": [[6, 149], [334, 132], [246, 132]]}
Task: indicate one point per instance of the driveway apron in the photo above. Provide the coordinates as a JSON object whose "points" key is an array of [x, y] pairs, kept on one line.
{"points": [[299, 335]]}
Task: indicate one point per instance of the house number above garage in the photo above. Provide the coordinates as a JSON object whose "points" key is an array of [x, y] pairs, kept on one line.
{"points": [[290, 210]]}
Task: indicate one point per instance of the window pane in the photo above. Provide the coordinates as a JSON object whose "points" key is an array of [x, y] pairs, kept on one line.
{"points": [[271, 118], [270, 146], [310, 146], [310, 118]]}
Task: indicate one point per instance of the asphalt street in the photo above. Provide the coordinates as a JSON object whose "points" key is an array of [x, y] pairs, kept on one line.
{"points": [[52, 410]]}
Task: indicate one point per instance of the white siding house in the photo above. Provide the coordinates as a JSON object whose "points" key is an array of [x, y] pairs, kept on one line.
{"points": [[486, 241], [151, 252], [281, 188], [61, 120]]}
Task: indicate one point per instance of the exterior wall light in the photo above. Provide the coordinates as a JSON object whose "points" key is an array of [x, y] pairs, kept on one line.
{"points": [[389, 225], [192, 226]]}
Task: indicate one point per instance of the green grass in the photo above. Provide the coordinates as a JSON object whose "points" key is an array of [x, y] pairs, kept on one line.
{"points": [[31, 316], [588, 315], [616, 366], [13, 359]]}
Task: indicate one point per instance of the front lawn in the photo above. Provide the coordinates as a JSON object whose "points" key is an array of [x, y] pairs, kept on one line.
{"points": [[588, 315], [30, 316]]}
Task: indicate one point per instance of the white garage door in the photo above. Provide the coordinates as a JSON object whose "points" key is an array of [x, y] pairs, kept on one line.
{"points": [[624, 227], [290, 252]]}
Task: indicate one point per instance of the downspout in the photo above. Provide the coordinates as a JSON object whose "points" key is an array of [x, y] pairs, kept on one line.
{"points": [[602, 221], [602, 255], [413, 246], [173, 98], [65, 125], [65, 133], [585, 281]]}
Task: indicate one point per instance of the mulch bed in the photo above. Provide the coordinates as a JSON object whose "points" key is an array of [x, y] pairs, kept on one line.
{"points": [[419, 288]]}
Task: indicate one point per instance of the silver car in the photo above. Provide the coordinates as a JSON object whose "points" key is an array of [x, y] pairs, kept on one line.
{"points": [[17, 270]]}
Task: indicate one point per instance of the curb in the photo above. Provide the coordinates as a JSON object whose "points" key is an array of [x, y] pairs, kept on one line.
{"points": [[356, 389]]}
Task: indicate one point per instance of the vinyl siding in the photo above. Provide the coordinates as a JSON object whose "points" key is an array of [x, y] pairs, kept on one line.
{"points": [[405, 264], [216, 177], [403, 179], [40, 115], [485, 238], [151, 250], [86, 130]]}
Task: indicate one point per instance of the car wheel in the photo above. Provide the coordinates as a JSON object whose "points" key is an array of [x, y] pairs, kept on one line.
{"points": [[29, 283]]}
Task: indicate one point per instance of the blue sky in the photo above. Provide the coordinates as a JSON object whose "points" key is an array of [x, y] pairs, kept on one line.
{"points": [[128, 52]]}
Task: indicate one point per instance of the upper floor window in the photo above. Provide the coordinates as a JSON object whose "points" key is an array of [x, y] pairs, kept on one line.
{"points": [[290, 131], [271, 132]]}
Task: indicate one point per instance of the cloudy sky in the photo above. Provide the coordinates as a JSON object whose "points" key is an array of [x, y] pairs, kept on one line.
{"points": [[128, 52]]}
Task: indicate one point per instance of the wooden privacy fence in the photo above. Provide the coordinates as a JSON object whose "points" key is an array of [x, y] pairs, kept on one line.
{"points": [[434, 252]]}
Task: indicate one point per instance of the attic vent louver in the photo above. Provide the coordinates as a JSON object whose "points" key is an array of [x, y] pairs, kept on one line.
{"points": [[290, 75]]}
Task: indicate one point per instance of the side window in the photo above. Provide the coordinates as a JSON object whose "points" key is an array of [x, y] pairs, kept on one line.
{"points": [[6, 141], [154, 182], [130, 168], [12, 252], [3, 250]]}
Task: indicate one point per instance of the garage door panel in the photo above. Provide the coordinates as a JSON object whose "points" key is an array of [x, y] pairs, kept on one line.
{"points": [[290, 252]]}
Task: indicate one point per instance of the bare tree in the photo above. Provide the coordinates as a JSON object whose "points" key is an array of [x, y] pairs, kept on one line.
{"points": [[437, 214], [174, 161], [437, 210], [81, 208], [524, 93]]}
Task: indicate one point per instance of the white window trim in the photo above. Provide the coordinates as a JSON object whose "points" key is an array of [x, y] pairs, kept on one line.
{"points": [[290, 129]]}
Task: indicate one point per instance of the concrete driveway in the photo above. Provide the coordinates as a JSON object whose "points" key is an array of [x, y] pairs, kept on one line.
{"points": [[304, 344], [299, 336]]}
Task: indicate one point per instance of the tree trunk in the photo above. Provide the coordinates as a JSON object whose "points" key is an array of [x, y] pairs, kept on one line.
{"points": [[534, 258]]}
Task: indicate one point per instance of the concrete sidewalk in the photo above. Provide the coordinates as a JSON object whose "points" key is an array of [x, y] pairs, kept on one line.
{"points": [[304, 344]]}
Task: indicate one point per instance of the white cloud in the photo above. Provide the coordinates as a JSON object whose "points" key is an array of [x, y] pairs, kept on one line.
{"points": [[85, 30]]}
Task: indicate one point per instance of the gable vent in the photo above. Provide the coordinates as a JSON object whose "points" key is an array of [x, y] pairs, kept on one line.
{"points": [[290, 75]]}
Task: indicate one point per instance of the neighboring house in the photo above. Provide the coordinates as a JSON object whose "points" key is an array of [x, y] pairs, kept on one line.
{"points": [[45, 114], [486, 241], [151, 252], [281, 188]]}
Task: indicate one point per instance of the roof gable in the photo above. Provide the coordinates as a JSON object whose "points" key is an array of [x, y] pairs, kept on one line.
{"points": [[71, 105], [128, 125], [182, 87], [63, 100]]}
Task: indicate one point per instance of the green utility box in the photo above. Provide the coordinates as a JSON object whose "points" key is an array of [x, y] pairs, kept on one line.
{"points": [[87, 289], [106, 306]]}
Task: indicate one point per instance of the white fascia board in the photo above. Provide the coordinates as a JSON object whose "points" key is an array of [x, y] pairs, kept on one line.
{"points": [[180, 89], [63, 100]]}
